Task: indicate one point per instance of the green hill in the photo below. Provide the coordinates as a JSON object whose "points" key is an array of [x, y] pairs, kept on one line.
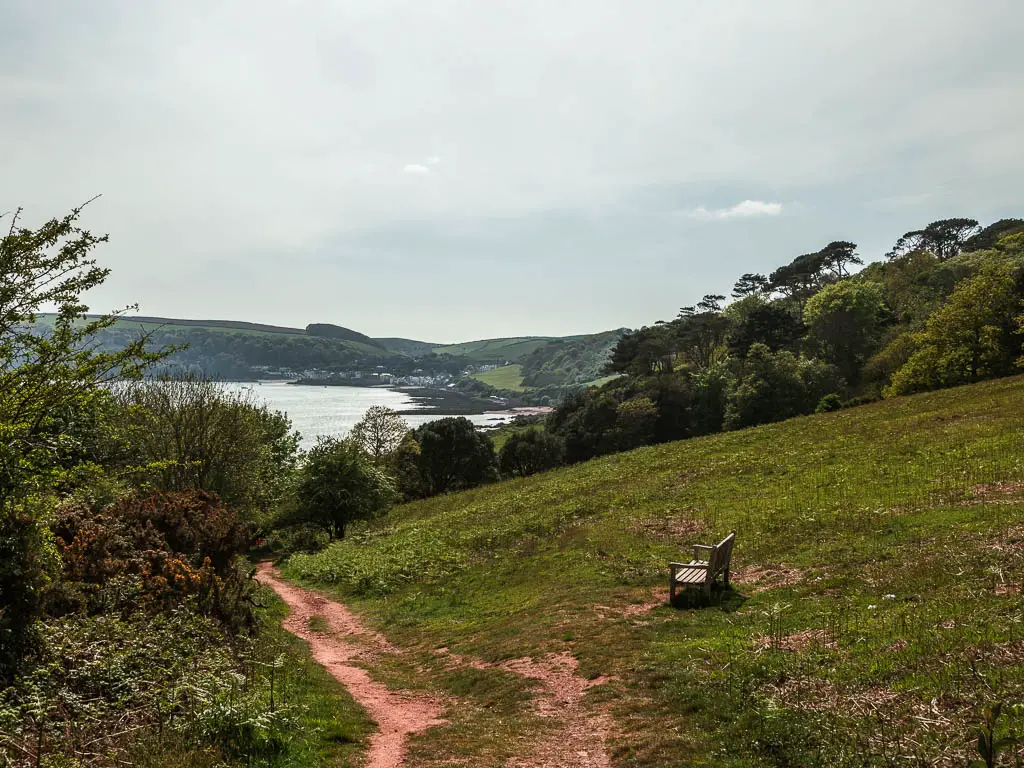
{"points": [[876, 609], [507, 377], [510, 350], [233, 348]]}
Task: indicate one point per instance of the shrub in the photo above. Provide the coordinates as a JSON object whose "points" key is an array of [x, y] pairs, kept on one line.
{"points": [[830, 402], [189, 432], [454, 456], [151, 554], [339, 484], [529, 452]]}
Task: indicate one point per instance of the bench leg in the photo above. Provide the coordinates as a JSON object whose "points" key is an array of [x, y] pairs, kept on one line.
{"points": [[672, 588]]}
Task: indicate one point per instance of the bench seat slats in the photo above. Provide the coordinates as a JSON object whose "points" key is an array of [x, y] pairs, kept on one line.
{"points": [[692, 576]]}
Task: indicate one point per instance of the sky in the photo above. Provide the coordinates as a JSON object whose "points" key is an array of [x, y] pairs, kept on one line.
{"points": [[455, 170]]}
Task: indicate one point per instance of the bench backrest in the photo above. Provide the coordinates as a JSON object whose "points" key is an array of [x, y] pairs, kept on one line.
{"points": [[721, 555]]}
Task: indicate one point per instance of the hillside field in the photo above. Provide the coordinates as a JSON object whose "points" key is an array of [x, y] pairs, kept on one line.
{"points": [[493, 350], [875, 613], [506, 377]]}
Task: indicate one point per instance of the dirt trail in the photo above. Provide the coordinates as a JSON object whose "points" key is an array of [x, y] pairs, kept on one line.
{"points": [[579, 741], [397, 715]]}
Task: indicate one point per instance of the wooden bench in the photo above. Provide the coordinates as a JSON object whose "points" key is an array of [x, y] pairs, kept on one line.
{"points": [[703, 572]]}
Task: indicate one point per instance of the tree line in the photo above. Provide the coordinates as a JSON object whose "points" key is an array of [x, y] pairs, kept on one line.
{"points": [[943, 308]]}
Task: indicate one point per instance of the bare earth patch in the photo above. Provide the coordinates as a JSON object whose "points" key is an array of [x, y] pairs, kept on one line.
{"points": [[769, 578], [996, 493], [580, 740], [646, 602], [674, 526], [347, 642], [798, 641]]}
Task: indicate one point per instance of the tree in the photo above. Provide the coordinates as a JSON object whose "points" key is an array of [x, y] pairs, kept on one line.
{"points": [[380, 432], [837, 256], [712, 302], [845, 320], [806, 274], [644, 352], [756, 321], [701, 337], [635, 423], [529, 452], [973, 336], [750, 284], [338, 485], [189, 432], [801, 277], [454, 455], [405, 467], [945, 238], [993, 233], [775, 386], [50, 376]]}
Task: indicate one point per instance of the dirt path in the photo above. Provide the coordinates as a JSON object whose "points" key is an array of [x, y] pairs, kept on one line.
{"points": [[396, 715], [579, 741]]}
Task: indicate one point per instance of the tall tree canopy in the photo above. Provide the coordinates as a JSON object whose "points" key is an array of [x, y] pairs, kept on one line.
{"points": [[454, 455], [380, 432], [845, 321], [50, 380], [945, 238], [974, 335]]}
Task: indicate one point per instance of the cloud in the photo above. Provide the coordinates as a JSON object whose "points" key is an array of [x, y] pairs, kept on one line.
{"points": [[416, 168], [433, 160], [745, 210]]}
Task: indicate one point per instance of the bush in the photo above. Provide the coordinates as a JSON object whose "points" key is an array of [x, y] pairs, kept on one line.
{"points": [[830, 402], [189, 432], [529, 452], [454, 455], [152, 554], [111, 687], [339, 484]]}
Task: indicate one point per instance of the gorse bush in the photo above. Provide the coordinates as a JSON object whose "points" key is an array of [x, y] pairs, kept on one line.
{"points": [[151, 554]]}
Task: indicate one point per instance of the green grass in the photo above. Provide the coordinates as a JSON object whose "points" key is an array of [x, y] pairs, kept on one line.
{"points": [[602, 381], [877, 609], [501, 435], [507, 377], [490, 350]]}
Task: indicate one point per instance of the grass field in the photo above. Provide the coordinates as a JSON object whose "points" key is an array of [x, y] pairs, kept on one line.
{"points": [[876, 609], [507, 377], [491, 350]]}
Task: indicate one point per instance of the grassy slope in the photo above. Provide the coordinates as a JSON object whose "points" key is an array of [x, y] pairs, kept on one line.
{"points": [[506, 377], [487, 350], [880, 552]]}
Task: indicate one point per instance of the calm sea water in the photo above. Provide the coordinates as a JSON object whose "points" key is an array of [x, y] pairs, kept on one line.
{"points": [[333, 411]]}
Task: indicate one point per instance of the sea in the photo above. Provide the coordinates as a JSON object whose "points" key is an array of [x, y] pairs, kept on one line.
{"points": [[333, 411]]}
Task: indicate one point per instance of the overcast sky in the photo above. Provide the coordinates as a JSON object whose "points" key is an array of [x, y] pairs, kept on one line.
{"points": [[452, 170]]}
